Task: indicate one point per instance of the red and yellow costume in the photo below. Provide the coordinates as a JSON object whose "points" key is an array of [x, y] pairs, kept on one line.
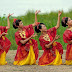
{"points": [[4, 46], [53, 55], [27, 54], [67, 36]]}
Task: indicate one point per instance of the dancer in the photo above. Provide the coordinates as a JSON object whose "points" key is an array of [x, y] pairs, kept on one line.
{"points": [[4, 42], [53, 51], [27, 51], [67, 37]]}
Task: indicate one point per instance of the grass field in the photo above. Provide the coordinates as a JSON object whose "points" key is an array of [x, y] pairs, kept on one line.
{"points": [[49, 19]]}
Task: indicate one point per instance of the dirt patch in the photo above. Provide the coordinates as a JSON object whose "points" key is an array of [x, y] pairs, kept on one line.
{"points": [[32, 68]]}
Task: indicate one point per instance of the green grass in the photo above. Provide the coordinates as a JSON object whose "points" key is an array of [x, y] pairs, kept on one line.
{"points": [[49, 19]]}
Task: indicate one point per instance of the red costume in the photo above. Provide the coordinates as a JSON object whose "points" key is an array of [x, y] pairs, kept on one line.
{"points": [[49, 53], [67, 36], [23, 49], [4, 42]]}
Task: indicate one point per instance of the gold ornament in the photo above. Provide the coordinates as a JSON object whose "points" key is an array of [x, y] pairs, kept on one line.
{"points": [[70, 29], [22, 34], [46, 37]]}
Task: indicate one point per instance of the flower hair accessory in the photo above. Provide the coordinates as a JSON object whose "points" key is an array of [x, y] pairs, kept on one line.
{"points": [[14, 20], [37, 26], [37, 23], [63, 19]]}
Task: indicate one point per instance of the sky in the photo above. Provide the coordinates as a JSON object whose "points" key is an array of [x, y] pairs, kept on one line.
{"points": [[20, 7]]}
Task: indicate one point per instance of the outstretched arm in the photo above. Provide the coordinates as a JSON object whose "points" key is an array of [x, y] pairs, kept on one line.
{"points": [[35, 18], [58, 23], [8, 22]]}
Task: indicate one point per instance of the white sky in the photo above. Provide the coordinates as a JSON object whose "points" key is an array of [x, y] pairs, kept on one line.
{"points": [[20, 7]]}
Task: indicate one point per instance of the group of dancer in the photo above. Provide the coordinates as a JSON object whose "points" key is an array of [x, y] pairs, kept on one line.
{"points": [[27, 51]]}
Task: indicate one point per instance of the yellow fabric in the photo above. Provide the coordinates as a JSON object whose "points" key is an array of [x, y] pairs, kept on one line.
{"points": [[54, 44], [57, 60], [68, 62], [2, 59], [29, 60], [3, 37]]}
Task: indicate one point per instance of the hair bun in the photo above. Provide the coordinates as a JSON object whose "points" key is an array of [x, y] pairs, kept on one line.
{"points": [[16, 23], [64, 21]]}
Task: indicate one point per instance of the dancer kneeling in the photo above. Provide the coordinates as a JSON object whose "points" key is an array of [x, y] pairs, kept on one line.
{"points": [[4, 42], [27, 51], [53, 51]]}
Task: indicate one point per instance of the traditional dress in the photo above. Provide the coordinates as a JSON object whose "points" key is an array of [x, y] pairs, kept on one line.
{"points": [[67, 36], [4, 46], [52, 55], [27, 53]]}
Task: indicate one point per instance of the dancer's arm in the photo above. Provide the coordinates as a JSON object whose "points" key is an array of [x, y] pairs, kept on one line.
{"points": [[8, 22], [58, 22], [24, 41], [48, 45], [34, 24], [3, 34], [69, 42]]}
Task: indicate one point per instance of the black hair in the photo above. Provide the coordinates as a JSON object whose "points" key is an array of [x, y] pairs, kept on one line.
{"points": [[16, 23], [38, 27], [63, 22]]}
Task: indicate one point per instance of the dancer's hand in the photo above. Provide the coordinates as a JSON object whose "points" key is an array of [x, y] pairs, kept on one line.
{"points": [[33, 35], [0, 35], [37, 11], [59, 13], [57, 37], [4, 33], [10, 15]]}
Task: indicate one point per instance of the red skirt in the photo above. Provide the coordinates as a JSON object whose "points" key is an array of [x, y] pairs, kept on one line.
{"points": [[69, 52], [49, 54], [4, 45], [23, 50]]}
